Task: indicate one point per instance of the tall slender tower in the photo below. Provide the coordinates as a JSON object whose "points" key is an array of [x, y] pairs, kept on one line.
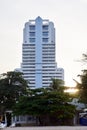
{"points": [[38, 53]]}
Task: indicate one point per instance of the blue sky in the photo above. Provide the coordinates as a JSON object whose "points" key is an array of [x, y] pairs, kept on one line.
{"points": [[70, 20]]}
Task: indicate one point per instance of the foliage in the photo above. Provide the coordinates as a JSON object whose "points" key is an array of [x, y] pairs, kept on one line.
{"points": [[12, 85], [46, 103], [83, 87], [56, 83]]}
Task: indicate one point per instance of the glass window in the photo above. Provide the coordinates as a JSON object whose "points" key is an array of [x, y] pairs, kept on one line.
{"points": [[31, 39], [32, 34], [45, 33], [45, 39], [45, 27], [17, 118], [22, 118], [32, 27]]}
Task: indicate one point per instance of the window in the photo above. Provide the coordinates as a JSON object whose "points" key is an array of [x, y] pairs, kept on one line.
{"points": [[31, 39], [32, 34], [45, 39], [22, 118], [17, 118], [45, 33], [45, 27], [32, 27]]}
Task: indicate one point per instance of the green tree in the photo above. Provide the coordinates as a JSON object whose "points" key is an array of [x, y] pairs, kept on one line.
{"points": [[83, 87], [46, 104], [12, 85], [57, 84]]}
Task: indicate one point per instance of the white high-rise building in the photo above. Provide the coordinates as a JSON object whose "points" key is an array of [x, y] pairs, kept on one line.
{"points": [[38, 53]]}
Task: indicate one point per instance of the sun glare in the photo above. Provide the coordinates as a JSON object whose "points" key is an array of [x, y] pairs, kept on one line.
{"points": [[72, 90]]}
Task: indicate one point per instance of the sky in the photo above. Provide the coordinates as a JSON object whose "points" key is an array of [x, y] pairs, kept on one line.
{"points": [[70, 21]]}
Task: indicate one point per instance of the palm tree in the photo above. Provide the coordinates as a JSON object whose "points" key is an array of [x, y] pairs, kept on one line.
{"points": [[57, 84]]}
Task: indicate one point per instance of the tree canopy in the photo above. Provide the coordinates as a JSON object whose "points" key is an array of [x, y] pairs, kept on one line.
{"points": [[82, 93], [46, 103], [82, 86], [12, 85]]}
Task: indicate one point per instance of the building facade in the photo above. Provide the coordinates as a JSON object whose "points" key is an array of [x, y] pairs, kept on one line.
{"points": [[38, 53]]}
